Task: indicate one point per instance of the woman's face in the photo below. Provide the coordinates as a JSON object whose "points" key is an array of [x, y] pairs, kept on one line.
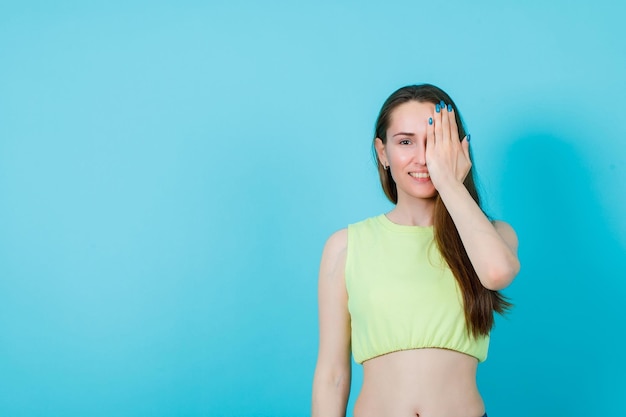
{"points": [[405, 150]]}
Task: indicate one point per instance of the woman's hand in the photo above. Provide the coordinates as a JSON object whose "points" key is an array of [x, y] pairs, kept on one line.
{"points": [[491, 247], [447, 157]]}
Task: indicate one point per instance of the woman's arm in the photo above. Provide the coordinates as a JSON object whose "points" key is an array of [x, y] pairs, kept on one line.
{"points": [[491, 247], [331, 383]]}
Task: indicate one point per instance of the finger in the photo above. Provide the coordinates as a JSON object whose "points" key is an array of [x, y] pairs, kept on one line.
{"points": [[445, 123], [430, 135], [439, 110], [454, 129]]}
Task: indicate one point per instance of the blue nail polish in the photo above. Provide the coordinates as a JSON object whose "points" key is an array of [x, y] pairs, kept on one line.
{"points": [[437, 108], [442, 104], [468, 137], [449, 107], [430, 120]]}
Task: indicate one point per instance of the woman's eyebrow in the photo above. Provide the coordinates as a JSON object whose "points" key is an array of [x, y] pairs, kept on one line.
{"points": [[403, 134]]}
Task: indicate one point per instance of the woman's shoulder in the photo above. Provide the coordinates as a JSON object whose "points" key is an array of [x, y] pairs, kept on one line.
{"points": [[334, 254], [340, 237], [337, 241], [368, 221]]}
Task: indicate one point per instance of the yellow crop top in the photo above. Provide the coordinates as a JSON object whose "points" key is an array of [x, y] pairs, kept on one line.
{"points": [[402, 294]]}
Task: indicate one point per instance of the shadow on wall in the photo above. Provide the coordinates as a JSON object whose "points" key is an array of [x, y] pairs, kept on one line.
{"points": [[570, 300]]}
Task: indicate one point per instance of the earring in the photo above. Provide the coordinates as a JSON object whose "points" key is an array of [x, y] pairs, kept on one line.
{"points": [[386, 167]]}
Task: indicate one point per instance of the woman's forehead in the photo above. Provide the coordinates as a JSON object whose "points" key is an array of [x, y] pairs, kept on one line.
{"points": [[411, 115]]}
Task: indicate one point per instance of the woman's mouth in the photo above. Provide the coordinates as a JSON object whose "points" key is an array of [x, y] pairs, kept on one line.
{"points": [[420, 175]]}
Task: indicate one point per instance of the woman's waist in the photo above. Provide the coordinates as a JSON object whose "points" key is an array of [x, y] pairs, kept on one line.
{"points": [[425, 371], [426, 382], [424, 363]]}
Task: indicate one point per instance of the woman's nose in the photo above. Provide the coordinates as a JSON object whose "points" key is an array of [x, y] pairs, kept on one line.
{"points": [[420, 153]]}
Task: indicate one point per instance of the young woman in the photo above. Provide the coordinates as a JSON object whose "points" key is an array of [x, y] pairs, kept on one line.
{"points": [[412, 292]]}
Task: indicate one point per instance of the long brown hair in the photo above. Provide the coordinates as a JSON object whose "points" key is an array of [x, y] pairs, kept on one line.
{"points": [[479, 302]]}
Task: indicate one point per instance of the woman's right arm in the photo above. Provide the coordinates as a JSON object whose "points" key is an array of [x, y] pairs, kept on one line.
{"points": [[331, 383]]}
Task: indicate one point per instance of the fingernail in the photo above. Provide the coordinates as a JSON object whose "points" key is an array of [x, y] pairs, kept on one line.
{"points": [[442, 104], [430, 120], [468, 137], [437, 108], [449, 107]]}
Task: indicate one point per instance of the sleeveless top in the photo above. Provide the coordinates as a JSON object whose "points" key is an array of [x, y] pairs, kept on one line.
{"points": [[402, 294]]}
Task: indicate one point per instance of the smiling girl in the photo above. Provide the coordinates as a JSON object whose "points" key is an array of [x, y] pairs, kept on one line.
{"points": [[411, 294]]}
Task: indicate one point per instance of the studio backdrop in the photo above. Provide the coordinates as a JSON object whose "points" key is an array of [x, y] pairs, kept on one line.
{"points": [[170, 171]]}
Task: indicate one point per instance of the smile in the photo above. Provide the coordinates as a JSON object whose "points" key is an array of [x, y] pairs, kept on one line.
{"points": [[419, 174]]}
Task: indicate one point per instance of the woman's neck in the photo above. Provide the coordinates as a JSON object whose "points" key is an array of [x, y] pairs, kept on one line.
{"points": [[417, 212]]}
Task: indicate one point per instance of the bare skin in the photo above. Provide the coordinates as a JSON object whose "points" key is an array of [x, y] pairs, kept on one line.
{"points": [[420, 382], [426, 160]]}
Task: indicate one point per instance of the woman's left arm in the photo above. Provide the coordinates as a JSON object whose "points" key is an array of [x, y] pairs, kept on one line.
{"points": [[491, 246]]}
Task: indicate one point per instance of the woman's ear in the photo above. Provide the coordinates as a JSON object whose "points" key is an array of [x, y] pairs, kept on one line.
{"points": [[380, 151]]}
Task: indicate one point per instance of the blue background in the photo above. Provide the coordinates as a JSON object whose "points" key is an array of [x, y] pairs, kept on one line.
{"points": [[169, 175]]}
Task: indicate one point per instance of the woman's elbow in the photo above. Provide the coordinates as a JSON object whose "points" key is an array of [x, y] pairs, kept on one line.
{"points": [[500, 276]]}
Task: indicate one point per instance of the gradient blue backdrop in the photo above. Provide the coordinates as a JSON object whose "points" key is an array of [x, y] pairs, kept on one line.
{"points": [[169, 173]]}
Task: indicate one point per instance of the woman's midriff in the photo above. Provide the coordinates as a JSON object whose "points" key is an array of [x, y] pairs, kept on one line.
{"points": [[420, 382]]}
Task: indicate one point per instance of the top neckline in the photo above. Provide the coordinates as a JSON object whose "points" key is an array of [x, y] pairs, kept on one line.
{"points": [[401, 228]]}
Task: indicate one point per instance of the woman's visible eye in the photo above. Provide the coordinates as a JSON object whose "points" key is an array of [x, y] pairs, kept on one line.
{"points": [[405, 142]]}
